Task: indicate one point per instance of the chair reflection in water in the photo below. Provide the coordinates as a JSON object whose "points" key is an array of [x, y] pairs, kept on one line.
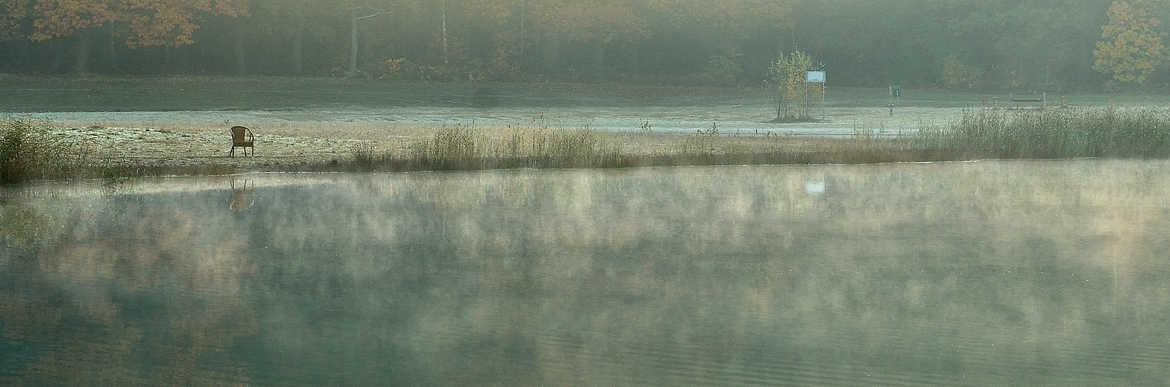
{"points": [[242, 198]]}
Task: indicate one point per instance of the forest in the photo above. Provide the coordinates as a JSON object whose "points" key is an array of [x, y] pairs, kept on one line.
{"points": [[1049, 45]]}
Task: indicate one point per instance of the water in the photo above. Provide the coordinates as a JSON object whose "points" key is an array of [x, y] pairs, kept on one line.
{"points": [[987, 273]]}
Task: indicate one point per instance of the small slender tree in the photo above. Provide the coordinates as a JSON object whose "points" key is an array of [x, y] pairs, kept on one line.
{"points": [[788, 75]]}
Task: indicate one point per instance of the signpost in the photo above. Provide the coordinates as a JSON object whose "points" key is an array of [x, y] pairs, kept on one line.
{"points": [[895, 93], [818, 76]]}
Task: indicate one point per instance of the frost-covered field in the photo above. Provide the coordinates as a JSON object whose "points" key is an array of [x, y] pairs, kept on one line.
{"points": [[728, 119], [184, 121], [324, 104]]}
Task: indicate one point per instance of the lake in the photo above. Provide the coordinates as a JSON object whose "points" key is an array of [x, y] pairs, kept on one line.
{"points": [[979, 273]]}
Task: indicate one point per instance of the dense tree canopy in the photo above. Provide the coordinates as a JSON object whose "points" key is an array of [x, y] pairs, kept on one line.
{"points": [[1130, 48], [992, 44]]}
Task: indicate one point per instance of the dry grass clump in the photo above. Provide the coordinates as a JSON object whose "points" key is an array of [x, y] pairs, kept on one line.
{"points": [[35, 150], [28, 151], [469, 148], [1065, 133], [466, 148]]}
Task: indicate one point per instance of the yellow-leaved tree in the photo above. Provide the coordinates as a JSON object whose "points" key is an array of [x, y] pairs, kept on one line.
{"points": [[1131, 47], [12, 15], [146, 22], [788, 74]]}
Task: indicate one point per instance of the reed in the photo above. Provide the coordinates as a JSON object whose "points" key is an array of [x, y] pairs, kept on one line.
{"points": [[1061, 133], [29, 152]]}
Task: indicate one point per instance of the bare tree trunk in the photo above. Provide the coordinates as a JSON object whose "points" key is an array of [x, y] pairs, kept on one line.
{"points": [[167, 60], [599, 60], [523, 35], [353, 42], [81, 63], [780, 107], [241, 52], [25, 50], [298, 47], [446, 59], [58, 53], [112, 49], [552, 53]]}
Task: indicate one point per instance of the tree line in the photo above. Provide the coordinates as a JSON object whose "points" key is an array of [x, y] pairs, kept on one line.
{"points": [[989, 44]]}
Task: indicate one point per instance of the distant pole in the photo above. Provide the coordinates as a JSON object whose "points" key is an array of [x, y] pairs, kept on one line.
{"points": [[353, 41], [523, 34], [823, 89], [445, 58], [891, 104]]}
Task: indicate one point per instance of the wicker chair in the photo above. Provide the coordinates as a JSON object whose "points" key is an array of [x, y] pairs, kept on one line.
{"points": [[242, 138]]}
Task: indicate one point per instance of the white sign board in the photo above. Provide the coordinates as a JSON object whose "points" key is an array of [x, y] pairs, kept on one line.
{"points": [[816, 77]]}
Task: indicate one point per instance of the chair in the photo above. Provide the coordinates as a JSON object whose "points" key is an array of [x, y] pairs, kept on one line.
{"points": [[242, 138]]}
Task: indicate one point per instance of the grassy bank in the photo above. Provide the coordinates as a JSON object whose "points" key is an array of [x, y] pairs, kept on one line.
{"points": [[462, 148], [976, 134], [1064, 133], [30, 151]]}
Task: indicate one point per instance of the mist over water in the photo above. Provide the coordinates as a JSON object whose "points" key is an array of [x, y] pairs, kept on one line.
{"points": [[984, 273]]}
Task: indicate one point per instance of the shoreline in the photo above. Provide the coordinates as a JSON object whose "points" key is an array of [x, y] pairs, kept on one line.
{"points": [[179, 150]]}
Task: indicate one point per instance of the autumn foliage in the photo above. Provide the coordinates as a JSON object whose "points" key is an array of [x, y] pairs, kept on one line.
{"points": [[142, 22], [1130, 48]]}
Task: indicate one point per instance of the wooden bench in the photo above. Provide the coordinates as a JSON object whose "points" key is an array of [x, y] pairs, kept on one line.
{"points": [[1041, 99], [242, 137]]}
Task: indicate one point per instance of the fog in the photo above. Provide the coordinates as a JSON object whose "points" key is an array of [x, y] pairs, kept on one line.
{"points": [[659, 266], [963, 273]]}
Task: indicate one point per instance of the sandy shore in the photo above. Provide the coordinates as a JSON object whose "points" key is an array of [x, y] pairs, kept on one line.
{"points": [[188, 146], [309, 146]]}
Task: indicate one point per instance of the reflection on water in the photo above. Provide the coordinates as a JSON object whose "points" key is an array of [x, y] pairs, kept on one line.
{"points": [[242, 198], [971, 273]]}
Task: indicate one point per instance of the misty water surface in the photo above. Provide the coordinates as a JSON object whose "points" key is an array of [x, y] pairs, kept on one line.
{"points": [[985, 273]]}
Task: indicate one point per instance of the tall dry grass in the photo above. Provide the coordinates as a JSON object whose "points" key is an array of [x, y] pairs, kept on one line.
{"points": [[28, 151], [32, 150], [1061, 133]]}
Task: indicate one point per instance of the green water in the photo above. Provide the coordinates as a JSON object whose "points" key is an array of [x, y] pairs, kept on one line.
{"points": [[988, 273]]}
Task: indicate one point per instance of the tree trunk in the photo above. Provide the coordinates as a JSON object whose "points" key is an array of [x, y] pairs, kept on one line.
{"points": [[112, 49], [241, 52], [298, 51], [167, 59], [446, 59], [25, 50], [636, 61], [552, 53], [353, 42], [59, 54], [780, 107], [523, 35], [81, 65], [599, 60]]}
